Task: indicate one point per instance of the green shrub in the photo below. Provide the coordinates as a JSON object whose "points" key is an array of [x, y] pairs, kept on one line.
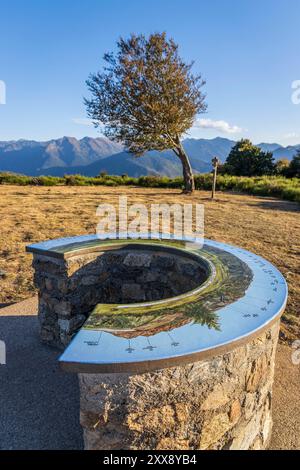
{"points": [[273, 186]]}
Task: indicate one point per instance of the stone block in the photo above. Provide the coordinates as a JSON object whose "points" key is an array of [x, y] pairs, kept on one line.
{"points": [[219, 396], [70, 326], [89, 280], [249, 405], [168, 443], [213, 430], [235, 411], [63, 309], [256, 373], [137, 260], [133, 292], [246, 433]]}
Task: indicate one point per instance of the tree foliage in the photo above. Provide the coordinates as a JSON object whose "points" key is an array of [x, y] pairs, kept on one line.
{"points": [[245, 159], [294, 167], [147, 97], [282, 166]]}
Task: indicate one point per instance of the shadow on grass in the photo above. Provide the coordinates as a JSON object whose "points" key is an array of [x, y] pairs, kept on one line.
{"points": [[39, 404], [278, 205], [275, 205]]}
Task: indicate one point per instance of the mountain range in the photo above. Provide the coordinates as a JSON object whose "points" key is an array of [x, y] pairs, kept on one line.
{"points": [[90, 156]]}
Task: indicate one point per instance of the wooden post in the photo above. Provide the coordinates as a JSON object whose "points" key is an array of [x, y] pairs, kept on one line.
{"points": [[215, 162]]}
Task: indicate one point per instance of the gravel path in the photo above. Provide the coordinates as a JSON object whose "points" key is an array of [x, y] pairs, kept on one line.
{"points": [[286, 402], [39, 404]]}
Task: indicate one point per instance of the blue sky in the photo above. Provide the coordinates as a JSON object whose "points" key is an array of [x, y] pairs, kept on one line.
{"points": [[247, 50]]}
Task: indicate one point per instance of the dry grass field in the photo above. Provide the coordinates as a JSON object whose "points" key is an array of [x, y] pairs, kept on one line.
{"points": [[268, 227]]}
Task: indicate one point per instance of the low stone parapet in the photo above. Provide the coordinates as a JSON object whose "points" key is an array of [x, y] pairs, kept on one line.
{"points": [[223, 402], [175, 343], [70, 284]]}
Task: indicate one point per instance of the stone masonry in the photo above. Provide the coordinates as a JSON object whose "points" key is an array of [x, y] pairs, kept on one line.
{"points": [[220, 403], [70, 288]]}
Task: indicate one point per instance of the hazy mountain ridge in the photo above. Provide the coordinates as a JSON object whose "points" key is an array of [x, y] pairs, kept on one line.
{"points": [[31, 157], [89, 156]]}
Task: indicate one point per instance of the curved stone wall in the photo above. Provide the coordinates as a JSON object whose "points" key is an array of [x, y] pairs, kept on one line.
{"points": [[70, 288], [192, 371], [220, 403]]}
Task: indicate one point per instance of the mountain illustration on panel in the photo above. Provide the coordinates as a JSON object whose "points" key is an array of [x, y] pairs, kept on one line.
{"points": [[232, 279]]}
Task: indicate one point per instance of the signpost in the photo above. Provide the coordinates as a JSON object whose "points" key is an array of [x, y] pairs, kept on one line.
{"points": [[215, 162]]}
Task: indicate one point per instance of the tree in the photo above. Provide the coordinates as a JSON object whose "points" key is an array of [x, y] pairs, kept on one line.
{"points": [[282, 166], [294, 168], [245, 159], [147, 98]]}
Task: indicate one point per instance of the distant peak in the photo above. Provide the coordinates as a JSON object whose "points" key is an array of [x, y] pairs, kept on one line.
{"points": [[66, 138]]}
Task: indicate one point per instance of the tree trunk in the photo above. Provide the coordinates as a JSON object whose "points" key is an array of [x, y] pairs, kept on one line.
{"points": [[188, 177]]}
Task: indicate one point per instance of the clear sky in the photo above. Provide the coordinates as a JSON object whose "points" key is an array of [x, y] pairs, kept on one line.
{"points": [[247, 50]]}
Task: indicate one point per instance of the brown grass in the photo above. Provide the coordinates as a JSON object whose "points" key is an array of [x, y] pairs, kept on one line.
{"points": [[268, 227]]}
